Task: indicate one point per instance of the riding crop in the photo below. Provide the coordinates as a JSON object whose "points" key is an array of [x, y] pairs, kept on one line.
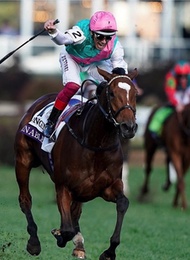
{"points": [[12, 52]]}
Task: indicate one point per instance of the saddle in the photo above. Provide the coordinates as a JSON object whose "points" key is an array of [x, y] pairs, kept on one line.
{"points": [[34, 128]]}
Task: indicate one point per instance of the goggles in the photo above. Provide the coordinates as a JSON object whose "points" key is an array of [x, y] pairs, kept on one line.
{"points": [[101, 37]]}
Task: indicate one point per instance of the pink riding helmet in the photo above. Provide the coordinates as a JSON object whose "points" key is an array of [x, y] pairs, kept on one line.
{"points": [[182, 68], [103, 23]]}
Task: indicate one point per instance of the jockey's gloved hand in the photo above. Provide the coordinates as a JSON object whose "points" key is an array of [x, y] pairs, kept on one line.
{"points": [[119, 71]]}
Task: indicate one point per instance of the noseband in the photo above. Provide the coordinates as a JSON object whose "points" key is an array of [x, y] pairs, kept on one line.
{"points": [[110, 116]]}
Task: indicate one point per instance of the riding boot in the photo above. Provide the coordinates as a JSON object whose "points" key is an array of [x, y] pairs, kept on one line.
{"points": [[60, 104], [50, 125]]}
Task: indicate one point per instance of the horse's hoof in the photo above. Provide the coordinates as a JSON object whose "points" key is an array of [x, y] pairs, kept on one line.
{"points": [[144, 191], [78, 253], [62, 237], [57, 234], [165, 187], [141, 197], [33, 248]]}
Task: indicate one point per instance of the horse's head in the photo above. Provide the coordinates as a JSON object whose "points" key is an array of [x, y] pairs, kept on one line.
{"points": [[121, 101]]}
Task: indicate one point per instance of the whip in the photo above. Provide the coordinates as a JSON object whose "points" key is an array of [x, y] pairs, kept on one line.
{"points": [[12, 52]]}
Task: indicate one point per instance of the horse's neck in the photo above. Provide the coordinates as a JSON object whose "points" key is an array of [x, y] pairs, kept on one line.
{"points": [[100, 130], [185, 118]]}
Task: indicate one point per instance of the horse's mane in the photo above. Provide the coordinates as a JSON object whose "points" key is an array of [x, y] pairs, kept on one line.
{"points": [[100, 87]]}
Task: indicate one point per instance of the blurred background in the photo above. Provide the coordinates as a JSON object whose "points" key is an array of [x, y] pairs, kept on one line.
{"points": [[154, 34]]}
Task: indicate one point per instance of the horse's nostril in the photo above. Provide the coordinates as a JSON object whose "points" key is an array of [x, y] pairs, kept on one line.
{"points": [[128, 127], [124, 127], [136, 127]]}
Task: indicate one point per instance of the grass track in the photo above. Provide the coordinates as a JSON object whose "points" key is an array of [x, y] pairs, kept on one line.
{"points": [[151, 231]]}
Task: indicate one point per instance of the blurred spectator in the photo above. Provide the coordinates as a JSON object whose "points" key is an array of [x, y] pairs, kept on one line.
{"points": [[7, 29]]}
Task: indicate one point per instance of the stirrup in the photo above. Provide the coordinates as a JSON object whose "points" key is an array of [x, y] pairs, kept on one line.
{"points": [[49, 129]]}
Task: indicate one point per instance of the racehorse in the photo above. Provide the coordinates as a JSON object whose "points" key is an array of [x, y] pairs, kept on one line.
{"points": [[87, 161], [175, 139]]}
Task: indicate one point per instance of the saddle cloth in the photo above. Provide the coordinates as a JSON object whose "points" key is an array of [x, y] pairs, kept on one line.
{"points": [[159, 118], [35, 127]]}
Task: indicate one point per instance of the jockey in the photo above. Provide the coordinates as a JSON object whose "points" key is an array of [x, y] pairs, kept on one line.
{"points": [[177, 85], [177, 89], [88, 44]]}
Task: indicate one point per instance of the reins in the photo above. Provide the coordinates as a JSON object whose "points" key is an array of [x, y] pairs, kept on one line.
{"points": [[82, 88]]}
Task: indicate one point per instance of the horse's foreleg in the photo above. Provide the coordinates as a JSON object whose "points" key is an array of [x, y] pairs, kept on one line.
{"points": [[180, 186], [122, 204], [25, 200], [66, 231], [167, 184], [79, 250], [149, 155], [78, 240], [125, 179]]}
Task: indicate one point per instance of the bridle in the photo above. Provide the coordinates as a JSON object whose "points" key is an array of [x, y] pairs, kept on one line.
{"points": [[110, 115]]}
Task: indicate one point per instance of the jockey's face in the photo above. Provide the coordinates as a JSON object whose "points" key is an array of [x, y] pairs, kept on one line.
{"points": [[100, 40], [182, 80]]}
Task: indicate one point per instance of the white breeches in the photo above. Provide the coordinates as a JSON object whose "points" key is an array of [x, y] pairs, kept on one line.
{"points": [[71, 70], [183, 97]]}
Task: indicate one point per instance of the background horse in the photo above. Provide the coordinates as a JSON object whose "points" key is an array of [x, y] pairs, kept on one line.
{"points": [[86, 158], [175, 139]]}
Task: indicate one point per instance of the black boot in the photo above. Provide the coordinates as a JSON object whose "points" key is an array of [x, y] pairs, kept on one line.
{"points": [[49, 127]]}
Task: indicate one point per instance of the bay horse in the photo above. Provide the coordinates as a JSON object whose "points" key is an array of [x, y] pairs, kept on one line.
{"points": [[175, 140], [87, 161]]}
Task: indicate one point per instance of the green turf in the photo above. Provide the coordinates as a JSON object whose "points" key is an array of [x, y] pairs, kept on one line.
{"points": [[153, 230]]}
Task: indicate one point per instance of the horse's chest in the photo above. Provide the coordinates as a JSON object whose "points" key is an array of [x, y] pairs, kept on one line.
{"points": [[93, 186], [105, 176]]}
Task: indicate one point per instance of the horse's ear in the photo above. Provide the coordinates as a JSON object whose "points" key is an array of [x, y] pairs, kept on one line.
{"points": [[100, 87], [133, 74], [107, 76]]}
